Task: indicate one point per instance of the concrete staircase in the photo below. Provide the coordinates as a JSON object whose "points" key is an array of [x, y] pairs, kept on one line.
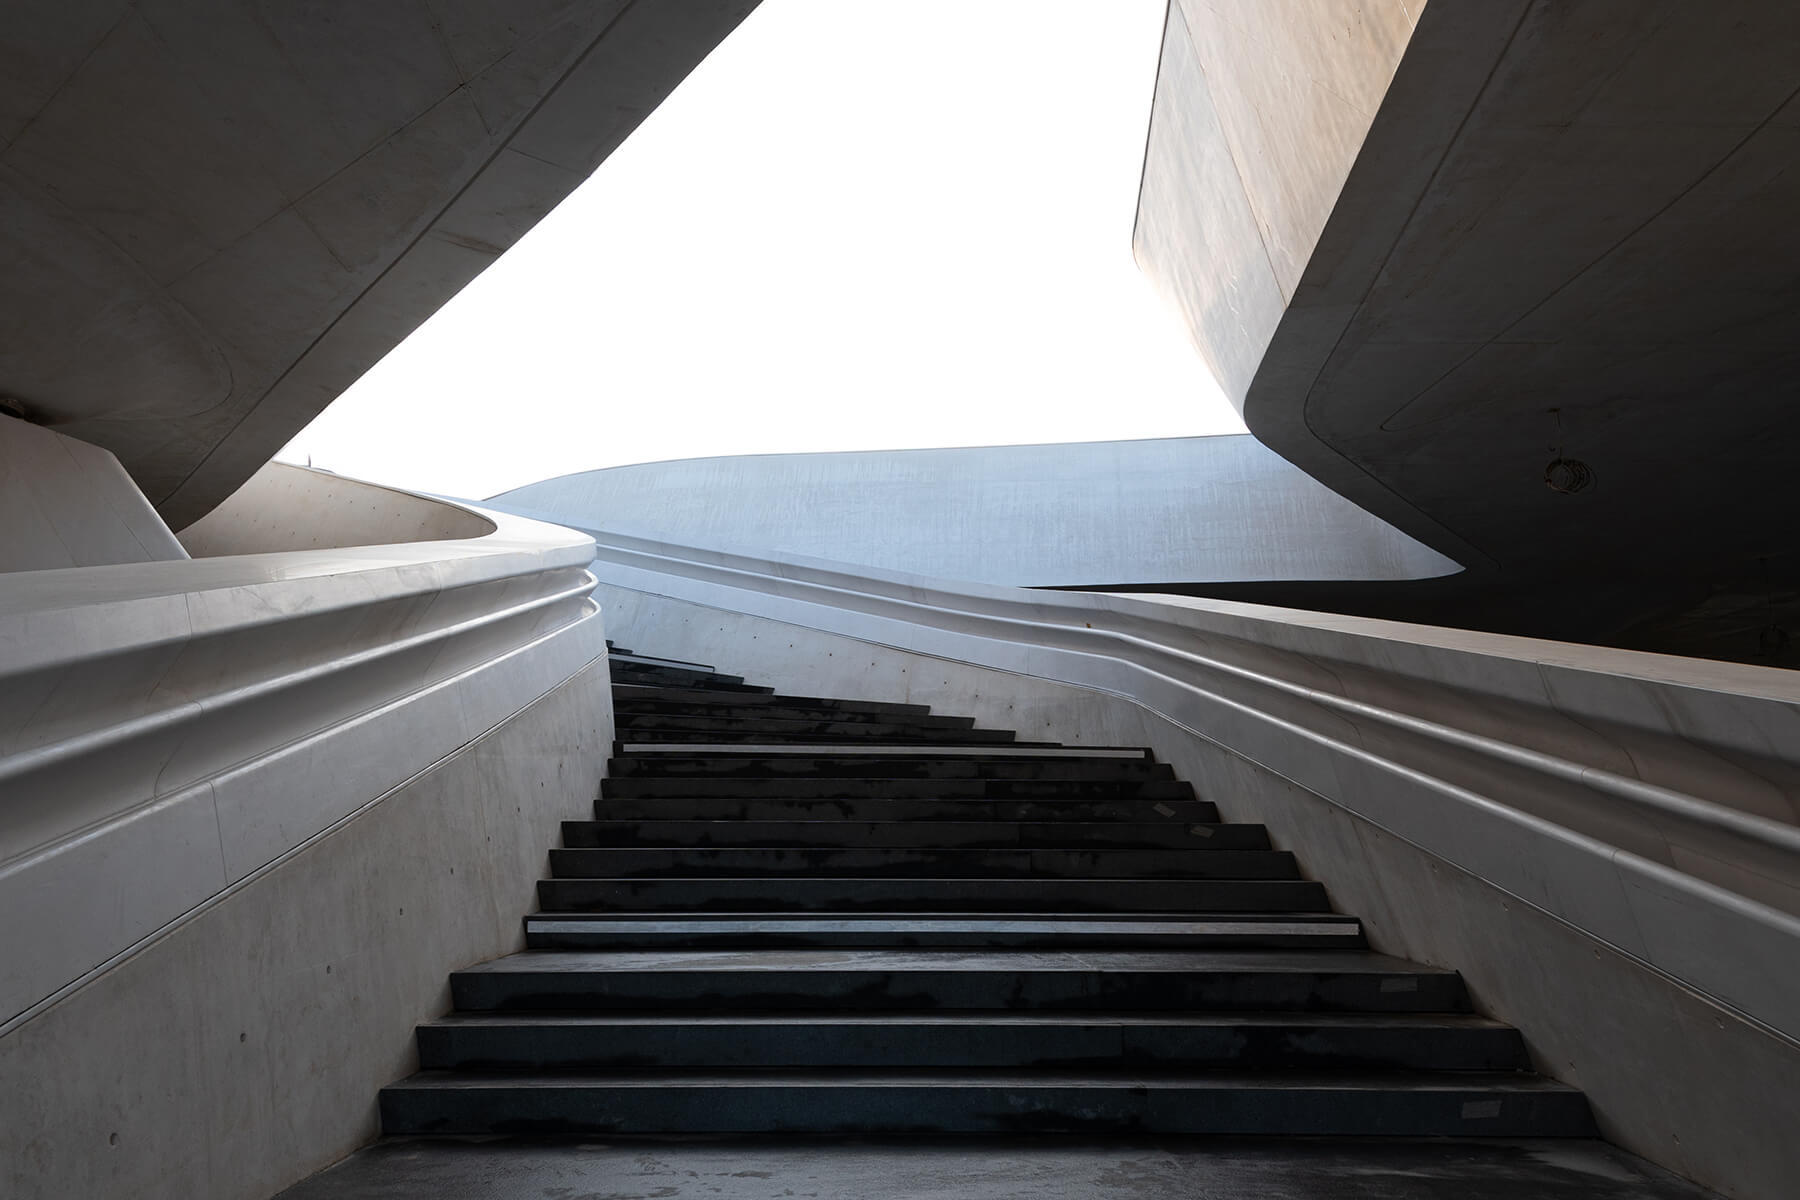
{"points": [[794, 914]]}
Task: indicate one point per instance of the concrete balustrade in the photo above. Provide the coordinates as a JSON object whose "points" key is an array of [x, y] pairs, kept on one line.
{"points": [[171, 728]]}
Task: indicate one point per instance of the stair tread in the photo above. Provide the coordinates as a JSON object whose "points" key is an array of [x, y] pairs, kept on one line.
{"points": [[767, 696], [1011, 1077], [1052, 1019], [872, 748], [1333, 961], [932, 922]]}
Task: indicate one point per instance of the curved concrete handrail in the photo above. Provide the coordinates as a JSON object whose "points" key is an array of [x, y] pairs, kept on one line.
{"points": [[168, 729], [1649, 801]]}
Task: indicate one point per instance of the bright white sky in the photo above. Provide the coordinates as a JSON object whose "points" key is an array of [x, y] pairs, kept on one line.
{"points": [[860, 224]]}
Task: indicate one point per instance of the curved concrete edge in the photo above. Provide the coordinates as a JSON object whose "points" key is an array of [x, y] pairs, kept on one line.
{"points": [[169, 729], [1618, 792], [1164, 510], [287, 507]]}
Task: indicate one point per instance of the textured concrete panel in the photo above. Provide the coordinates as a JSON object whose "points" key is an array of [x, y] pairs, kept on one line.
{"points": [[69, 504], [1090, 513], [313, 975], [1260, 110]]}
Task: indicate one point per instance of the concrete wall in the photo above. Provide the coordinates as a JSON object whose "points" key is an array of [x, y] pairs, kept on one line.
{"points": [[216, 214], [244, 1047], [1431, 248], [287, 508], [1261, 107], [64, 503], [1672, 1074], [1091, 513]]}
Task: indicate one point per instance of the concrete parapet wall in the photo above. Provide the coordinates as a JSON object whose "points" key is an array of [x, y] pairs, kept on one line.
{"points": [[288, 508], [170, 728], [244, 1047]]}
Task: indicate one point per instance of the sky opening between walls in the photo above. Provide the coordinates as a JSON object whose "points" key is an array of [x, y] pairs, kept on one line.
{"points": [[860, 224]]}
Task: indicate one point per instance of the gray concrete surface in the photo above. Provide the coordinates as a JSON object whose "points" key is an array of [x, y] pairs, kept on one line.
{"points": [[244, 1048], [69, 504], [284, 508], [1085, 513], [216, 214], [1287, 1169], [1581, 207]]}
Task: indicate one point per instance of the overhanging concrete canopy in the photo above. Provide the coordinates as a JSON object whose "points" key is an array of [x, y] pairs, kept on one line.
{"points": [[1565, 229], [216, 214]]}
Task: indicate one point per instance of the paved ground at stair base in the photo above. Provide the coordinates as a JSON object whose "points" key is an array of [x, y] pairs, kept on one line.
{"points": [[735, 1169]]}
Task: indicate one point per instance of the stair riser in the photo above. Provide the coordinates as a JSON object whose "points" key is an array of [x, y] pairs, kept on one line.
{"points": [[936, 940], [625, 693], [1100, 1046], [781, 712], [883, 766], [1148, 793], [662, 728], [671, 677], [1246, 990], [978, 1109], [1181, 814], [705, 716], [642, 863], [991, 835], [930, 895]]}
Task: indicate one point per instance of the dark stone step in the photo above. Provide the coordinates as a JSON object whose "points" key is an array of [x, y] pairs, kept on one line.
{"points": [[647, 660], [784, 712], [1100, 1041], [865, 862], [997, 835], [679, 677], [688, 730], [986, 1102], [854, 765], [722, 894], [1063, 931], [946, 980], [624, 692], [1147, 791], [923, 808], [866, 725]]}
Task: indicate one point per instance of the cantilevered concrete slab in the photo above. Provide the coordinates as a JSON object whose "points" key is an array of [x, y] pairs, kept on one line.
{"points": [[1431, 248], [216, 214]]}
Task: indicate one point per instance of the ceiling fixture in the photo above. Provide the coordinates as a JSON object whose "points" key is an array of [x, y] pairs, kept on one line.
{"points": [[1566, 476]]}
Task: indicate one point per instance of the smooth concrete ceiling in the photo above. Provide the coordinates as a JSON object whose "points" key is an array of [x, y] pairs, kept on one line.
{"points": [[216, 214], [1569, 230]]}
